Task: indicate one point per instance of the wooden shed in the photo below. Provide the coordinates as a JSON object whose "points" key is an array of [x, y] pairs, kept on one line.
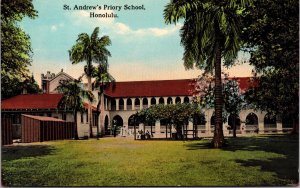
{"points": [[41, 128], [6, 131]]}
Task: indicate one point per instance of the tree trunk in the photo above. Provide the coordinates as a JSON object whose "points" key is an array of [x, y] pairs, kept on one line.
{"points": [[97, 119], [295, 125], [90, 107], [234, 126], [218, 139], [166, 131], [75, 126], [134, 129]]}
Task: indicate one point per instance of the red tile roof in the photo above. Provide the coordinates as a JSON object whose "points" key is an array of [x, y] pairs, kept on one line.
{"points": [[43, 118], [34, 101], [151, 88], [244, 82], [158, 88]]}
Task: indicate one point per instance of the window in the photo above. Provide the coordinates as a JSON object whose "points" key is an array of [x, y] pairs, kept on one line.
{"points": [[81, 117], [87, 117]]}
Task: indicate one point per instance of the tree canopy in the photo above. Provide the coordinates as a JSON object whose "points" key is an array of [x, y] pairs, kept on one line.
{"points": [[16, 49], [271, 36], [211, 31]]}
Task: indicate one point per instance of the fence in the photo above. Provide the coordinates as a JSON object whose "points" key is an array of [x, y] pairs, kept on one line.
{"points": [[6, 131], [40, 128]]}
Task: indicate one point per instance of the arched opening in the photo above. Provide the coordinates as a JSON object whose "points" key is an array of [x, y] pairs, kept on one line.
{"points": [[113, 104], [164, 126], [269, 121], [153, 101], [129, 104], [145, 103], [251, 122], [106, 130], [186, 100], [117, 124], [199, 121], [131, 121], [234, 120], [121, 104], [169, 100], [177, 100], [137, 104], [161, 100]]}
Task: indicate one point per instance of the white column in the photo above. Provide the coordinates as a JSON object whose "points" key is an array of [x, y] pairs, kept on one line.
{"points": [[181, 99], [109, 104], [149, 101], [279, 127], [157, 128], [132, 103], [125, 104], [261, 127], [117, 104], [243, 127], [141, 103], [157, 100], [225, 131], [106, 103], [173, 100], [166, 100]]}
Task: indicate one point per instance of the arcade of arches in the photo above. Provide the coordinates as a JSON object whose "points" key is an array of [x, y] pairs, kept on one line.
{"points": [[247, 121]]}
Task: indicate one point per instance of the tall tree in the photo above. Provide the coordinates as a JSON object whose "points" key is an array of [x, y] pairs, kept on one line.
{"points": [[16, 49], [271, 35], [102, 80], [211, 31], [90, 49], [72, 99]]}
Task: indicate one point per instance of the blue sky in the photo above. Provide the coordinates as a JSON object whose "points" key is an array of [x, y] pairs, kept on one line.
{"points": [[143, 46]]}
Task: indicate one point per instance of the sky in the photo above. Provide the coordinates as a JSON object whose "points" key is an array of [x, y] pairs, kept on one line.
{"points": [[143, 46]]}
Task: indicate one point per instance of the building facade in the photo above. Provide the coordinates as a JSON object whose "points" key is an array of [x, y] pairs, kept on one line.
{"points": [[126, 98], [122, 100]]}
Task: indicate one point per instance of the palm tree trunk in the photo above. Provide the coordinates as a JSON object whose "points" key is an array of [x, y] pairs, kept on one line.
{"points": [[75, 126], [90, 107], [218, 139], [234, 126]]}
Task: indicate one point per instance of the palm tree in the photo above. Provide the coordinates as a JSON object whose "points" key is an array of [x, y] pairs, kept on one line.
{"points": [[73, 96], [211, 31], [102, 80], [90, 49]]}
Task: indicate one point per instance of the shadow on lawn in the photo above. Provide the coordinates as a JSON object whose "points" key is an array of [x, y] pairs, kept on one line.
{"points": [[285, 167], [18, 152]]}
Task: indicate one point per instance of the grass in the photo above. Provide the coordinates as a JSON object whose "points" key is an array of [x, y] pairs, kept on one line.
{"points": [[247, 161]]}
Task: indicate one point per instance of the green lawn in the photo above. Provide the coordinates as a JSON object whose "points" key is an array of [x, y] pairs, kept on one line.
{"points": [[247, 161]]}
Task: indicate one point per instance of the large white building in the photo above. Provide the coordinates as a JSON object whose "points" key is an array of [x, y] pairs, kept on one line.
{"points": [[123, 99]]}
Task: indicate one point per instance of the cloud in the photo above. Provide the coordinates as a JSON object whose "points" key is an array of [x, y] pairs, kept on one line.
{"points": [[53, 28]]}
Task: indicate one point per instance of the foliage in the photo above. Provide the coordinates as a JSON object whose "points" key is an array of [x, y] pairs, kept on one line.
{"points": [[252, 161], [173, 114], [15, 46], [73, 96], [271, 35], [234, 100], [90, 49], [211, 31]]}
